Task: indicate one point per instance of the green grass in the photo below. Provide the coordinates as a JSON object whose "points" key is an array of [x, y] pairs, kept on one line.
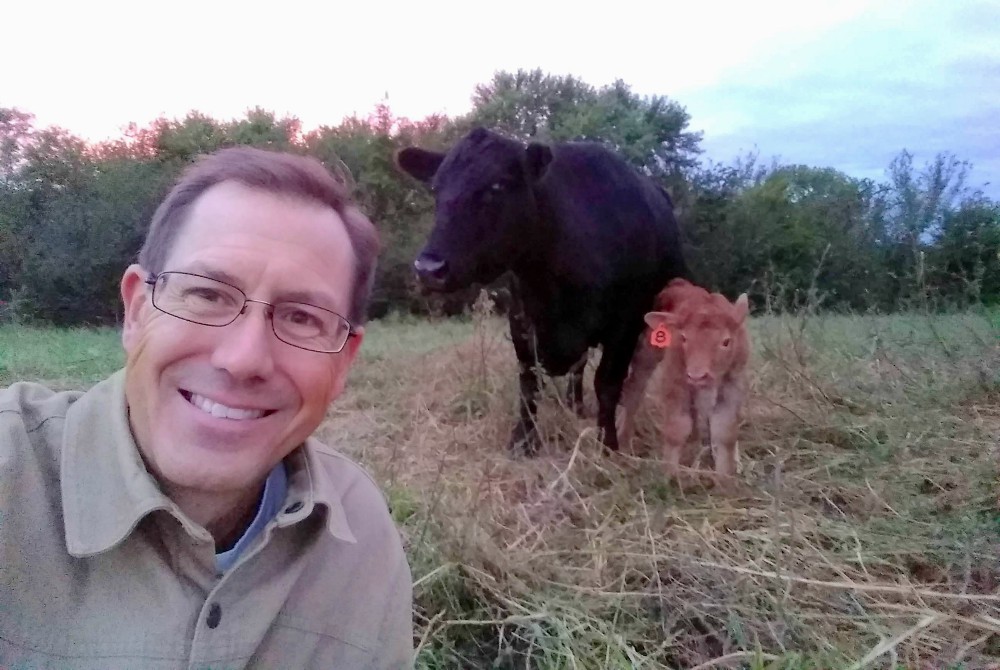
{"points": [[71, 358], [866, 527]]}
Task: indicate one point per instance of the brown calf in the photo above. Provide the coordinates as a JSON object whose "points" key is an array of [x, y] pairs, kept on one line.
{"points": [[700, 342]]}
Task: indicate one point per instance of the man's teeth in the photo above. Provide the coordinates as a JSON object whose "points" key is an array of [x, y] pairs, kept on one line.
{"points": [[221, 411]]}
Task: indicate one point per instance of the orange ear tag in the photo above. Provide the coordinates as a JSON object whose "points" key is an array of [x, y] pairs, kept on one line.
{"points": [[660, 337]]}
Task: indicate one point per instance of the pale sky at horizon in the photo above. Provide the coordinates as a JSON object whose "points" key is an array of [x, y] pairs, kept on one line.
{"points": [[845, 84]]}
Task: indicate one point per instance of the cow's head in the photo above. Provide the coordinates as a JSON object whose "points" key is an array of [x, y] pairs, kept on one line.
{"points": [[484, 207], [709, 330]]}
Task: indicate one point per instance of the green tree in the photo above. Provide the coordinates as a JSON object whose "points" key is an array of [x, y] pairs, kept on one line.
{"points": [[16, 132], [181, 141], [915, 205], [965, 258], [787, 234], [84, 237], [16, 129], [363, 149], [649, 132], [262, 128]]}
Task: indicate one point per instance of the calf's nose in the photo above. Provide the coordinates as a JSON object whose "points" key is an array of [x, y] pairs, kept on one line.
{"points": [[697, 378]]}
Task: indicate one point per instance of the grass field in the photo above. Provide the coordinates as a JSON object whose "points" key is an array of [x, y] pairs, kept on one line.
{"points": [[865, 532]]}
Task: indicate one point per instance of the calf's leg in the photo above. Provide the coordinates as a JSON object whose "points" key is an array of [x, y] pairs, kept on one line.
{"points": [[724, 424], [678, 424]]}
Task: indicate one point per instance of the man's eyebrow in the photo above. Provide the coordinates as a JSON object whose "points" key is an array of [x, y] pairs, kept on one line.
{"points": [[212, 273], [310, 298], [317, 298]]}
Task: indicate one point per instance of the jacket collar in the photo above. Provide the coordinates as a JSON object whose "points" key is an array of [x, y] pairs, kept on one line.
{"points": [[107, 491]]}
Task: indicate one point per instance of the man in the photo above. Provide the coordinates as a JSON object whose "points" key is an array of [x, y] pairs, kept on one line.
{"points": [[178, 514]]}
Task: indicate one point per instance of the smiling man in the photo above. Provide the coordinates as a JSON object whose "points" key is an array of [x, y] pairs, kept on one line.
{"points": [[179, 514]]}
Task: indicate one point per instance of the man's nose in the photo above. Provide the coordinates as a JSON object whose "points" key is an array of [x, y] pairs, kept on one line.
{"points": [[244, 348]]}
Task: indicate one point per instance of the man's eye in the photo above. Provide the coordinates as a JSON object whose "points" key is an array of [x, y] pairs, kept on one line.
{"points": [[301, 318], [302, 321], [206, 295]]}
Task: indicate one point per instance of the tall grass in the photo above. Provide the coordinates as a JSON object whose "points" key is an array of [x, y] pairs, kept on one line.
{"points": [[865, 532]]}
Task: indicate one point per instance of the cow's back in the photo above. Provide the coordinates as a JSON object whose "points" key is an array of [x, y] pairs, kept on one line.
{"points": [[608, 225]]}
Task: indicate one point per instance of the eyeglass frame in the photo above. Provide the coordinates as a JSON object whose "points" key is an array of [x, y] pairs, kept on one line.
{"points": [[154, 277]]}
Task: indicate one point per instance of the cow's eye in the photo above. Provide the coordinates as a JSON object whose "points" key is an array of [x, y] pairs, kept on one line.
{"points": [[725, 343]]}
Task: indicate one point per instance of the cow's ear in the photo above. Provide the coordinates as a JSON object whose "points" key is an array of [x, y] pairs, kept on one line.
{"points": [[420, 164], [538, 158], [742, 307]]}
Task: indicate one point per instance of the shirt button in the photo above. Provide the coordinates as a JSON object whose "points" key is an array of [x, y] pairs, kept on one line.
{"points": [[214, 615], [294, 507]]}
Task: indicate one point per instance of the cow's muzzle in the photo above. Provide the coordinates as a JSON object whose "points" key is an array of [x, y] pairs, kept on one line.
{"points": [[431, 271]]}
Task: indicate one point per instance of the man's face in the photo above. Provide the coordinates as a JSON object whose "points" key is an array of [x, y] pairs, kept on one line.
{"points": [[273, 248]]}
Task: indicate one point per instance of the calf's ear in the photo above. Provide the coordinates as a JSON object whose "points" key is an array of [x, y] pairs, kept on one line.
{"points": [[654, 319], [419, 163], [538, 156], [742, 307]]}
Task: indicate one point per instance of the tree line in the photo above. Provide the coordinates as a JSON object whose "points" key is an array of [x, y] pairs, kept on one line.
{"points": [[73, 214]]}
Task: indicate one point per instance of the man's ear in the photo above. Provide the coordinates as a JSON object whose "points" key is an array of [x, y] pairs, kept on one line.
{"points": [[343, 361], [537, 159], [134, 299], [420, 164], [353, 344]]}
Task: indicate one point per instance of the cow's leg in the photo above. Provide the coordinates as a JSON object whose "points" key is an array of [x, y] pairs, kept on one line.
{"points": [[644, 362], [574, 387], [524, 437], [608, 382]]}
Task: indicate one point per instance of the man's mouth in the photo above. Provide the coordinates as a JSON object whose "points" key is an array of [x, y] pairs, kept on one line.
{"points": [[221, 411]]}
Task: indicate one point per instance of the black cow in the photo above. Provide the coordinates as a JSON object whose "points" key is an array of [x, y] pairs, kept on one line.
{"points": [[589, 242]]}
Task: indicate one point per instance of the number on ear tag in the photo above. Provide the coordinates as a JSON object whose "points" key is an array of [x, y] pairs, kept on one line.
{"points": [[660, 337]]}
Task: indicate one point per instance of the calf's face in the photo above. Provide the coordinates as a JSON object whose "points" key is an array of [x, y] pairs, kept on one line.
{"points": [[484, 208], [710, 335]]}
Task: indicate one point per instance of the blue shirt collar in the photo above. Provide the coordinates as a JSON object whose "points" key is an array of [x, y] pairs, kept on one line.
{"points": [[275, 489]]}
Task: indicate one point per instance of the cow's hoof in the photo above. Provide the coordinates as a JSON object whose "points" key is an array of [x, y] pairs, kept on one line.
{"points": [[523, 442], [609, 438]]}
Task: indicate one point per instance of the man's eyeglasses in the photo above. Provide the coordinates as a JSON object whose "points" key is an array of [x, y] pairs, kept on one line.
{"points": [[211, 302]]}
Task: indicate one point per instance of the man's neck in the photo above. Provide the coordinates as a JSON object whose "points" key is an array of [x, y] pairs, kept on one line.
{"points": [[226, 516]]}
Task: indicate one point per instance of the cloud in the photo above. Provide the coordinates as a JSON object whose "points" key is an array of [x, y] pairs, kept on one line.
{"points": [[838, 83], [921, 76]]}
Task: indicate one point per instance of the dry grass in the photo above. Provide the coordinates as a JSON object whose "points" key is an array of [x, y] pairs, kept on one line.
{"points": [[865, 532]]}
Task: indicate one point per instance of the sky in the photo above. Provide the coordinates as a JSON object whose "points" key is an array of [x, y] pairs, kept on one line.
{"points": [[845, 84]]}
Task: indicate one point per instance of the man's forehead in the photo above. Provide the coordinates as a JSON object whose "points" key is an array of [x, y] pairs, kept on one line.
{"points": [[243, 236], [285, 287]]}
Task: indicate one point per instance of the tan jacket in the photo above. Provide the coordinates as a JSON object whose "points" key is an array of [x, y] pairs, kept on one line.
{"points": [[98, 569]]}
